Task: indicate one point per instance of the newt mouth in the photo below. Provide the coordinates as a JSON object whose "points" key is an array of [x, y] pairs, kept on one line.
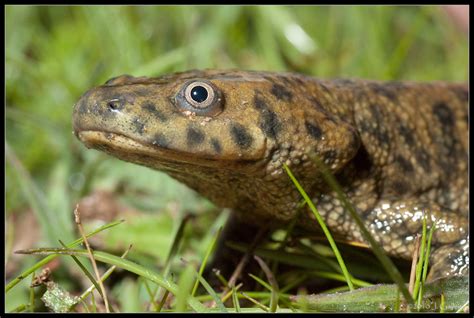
{"points": [[155, 156]]}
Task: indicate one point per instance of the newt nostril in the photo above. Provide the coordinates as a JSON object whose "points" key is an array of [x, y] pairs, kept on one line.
{"points": [[114, 105]]}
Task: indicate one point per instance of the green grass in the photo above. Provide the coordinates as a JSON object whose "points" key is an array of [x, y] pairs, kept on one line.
{"points": [[54, 54], [327, 233]]}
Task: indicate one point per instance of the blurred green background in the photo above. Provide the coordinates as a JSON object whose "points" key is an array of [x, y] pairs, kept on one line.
{"points": [[55, 53]]}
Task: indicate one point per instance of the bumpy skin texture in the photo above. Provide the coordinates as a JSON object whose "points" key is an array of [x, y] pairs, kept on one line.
{"points": [[396, 148]]}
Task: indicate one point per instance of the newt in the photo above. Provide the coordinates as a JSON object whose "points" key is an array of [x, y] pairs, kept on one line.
{"points": [[398, 149]]}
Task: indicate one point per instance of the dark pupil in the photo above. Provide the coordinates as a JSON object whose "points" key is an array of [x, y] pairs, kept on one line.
{"points": [[199, 94]]}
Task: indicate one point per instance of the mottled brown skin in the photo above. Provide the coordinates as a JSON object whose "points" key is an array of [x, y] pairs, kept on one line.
{"points": [[396, 148]]}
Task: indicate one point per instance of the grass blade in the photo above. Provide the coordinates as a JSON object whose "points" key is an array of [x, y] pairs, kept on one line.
{"points": [[211, 292], [85, 271], [235, 299], [258, 304], [419, 265], [204, 261], [184, 288], [428, 250], [323, 227], [121, 263], [274, 285], [378, 251], [49, 258]]}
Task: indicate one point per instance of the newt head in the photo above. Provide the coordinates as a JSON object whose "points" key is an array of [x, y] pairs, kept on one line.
{"points": [[204, 117]]}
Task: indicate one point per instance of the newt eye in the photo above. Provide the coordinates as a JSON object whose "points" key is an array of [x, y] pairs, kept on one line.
{"points": [[198, 93], [201, 98]]}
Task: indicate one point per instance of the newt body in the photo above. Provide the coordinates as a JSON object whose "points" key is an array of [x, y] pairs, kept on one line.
{"points": [[396, 148]]}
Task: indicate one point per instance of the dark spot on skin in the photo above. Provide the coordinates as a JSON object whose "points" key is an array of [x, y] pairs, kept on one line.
{"points": [[450, 144], [380, 130], [194, 136], [150, 107], [313, 130], [366, 127], [281, 93], [444, 114], [138, 125], [404, 164], [216, 145], [382, 136], [240, 136], [270, 123], [447, 154], [406, 133], [376, 113], [400, 187], [260, 104], [160, 141], [447, 139], [423, 159], [329, 156], [82, 107], [375, 131]]}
